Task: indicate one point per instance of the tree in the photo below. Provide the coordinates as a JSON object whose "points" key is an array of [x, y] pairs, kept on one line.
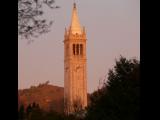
{"points": [[120, 100], [30, 20], [52, 115], [77, 106], [47, 82], [28, 109], [79, 111], [21, 113], [36, 113]]}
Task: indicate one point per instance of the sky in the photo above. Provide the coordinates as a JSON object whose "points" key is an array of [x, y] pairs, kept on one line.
{"points": [[112, 27]]}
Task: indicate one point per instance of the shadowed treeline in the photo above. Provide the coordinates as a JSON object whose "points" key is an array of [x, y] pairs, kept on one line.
{"points": [[118, 99]]}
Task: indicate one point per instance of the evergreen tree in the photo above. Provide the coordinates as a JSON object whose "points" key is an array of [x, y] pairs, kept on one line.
{"points": [[121, 97], [21, 113]]}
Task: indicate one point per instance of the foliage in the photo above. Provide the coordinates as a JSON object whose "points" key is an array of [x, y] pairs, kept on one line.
{"points": [[43, 84], [34, 112], [121, 97], [52, 115], [21, 113], [79, 112], [30, 20], [118, 99]]}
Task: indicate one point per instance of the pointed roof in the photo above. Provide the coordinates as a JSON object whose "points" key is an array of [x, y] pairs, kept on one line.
{"points": [[75, 24]]}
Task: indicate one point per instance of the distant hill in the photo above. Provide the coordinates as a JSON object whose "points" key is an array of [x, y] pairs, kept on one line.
{"points": [[48, 97]]}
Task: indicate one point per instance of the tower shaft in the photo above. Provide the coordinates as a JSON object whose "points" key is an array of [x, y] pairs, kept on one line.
{"points": [[75, 66]]}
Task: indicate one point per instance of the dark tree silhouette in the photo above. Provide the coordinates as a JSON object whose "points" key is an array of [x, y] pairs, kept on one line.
{"points": [[21, 113], [28, 110], [36, 113], [30, 21], [79, 112], [52, 115], [77, 105], [121, 97]]}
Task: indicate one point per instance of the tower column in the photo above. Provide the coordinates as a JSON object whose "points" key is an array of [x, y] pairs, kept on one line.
{"points": [[75, 78]]}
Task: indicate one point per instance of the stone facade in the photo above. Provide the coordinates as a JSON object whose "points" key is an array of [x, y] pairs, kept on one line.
{"points": [[75, 74]]}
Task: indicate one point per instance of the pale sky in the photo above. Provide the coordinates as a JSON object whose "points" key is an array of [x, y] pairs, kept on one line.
{"points": [[113, 29]]}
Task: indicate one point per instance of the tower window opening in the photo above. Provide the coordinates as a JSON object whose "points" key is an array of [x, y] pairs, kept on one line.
{"points": [[77, 49], [74, 50]]}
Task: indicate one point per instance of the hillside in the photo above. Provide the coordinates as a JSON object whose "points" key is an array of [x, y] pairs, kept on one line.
{"points": [[48, 97]]}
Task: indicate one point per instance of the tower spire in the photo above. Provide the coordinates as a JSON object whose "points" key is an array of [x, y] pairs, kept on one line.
{"points": [[75, 26], [74, 4]]}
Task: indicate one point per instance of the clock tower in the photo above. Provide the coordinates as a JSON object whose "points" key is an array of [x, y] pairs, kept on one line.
{"points": [[75, 66]]}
